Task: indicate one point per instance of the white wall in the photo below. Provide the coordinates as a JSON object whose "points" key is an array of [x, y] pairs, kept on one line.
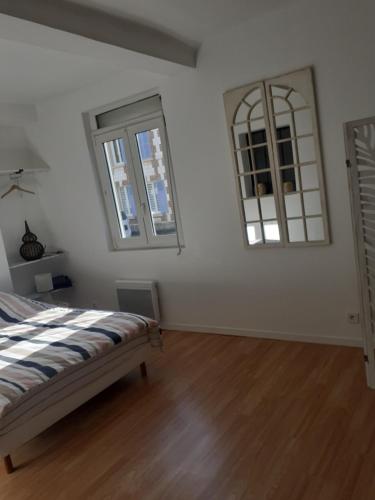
{"points": [[18, 207], [216, 283], [5, 280]]}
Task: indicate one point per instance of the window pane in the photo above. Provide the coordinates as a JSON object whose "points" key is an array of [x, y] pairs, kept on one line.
{"points": [[156, 181], [122, 189]]}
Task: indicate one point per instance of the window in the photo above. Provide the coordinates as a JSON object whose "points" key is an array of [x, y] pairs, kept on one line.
{"points": [[276, 151], [135, 174]]}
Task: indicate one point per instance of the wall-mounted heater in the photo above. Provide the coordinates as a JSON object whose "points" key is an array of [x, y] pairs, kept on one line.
{"points": [[138, 297]]}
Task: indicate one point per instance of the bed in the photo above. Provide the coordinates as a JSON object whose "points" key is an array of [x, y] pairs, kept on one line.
{"points": [[53, 359]]}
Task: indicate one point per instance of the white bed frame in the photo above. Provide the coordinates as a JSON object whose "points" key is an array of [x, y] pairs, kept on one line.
{"points": [[71, 398]]}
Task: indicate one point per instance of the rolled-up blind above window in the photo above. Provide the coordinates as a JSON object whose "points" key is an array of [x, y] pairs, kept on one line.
{"points": [[129, 112]]}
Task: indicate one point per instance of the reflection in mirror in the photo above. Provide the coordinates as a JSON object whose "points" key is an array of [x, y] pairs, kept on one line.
{"points": [[254, 233], [309, 175], [315, 229], [246, 184], [306, 149], [285, 149], [271, 231], [268, 207], [303, 122], [290, 180], [295, 230], [243, 161], [251, 210], [312, 203], [293, 205]]}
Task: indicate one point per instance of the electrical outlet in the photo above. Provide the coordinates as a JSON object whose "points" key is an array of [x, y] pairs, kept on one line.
{"points": [[353, 318]]}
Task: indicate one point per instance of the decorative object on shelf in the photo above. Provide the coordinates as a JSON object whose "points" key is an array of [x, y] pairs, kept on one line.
{"points": [[261, 189], [288, 187], [43, 282], [31, 249]]}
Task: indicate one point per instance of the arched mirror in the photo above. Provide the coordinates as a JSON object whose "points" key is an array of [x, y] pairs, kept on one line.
{"points": [[276, 151]]}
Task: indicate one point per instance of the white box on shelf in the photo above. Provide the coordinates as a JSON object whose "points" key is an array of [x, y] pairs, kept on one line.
{"points": [[43, 282]]}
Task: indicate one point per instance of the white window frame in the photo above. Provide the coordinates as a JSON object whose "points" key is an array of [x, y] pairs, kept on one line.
{"points": [[302, 82], [127, 131]]}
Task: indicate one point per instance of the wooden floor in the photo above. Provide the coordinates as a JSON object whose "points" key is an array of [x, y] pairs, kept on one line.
{"points": [[219, 418]]}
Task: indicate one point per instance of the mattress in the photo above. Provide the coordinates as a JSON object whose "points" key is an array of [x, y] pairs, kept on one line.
{"points": [[46, 350]]}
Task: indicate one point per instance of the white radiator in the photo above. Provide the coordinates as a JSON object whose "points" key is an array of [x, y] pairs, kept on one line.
{"points": [[138, 297]]}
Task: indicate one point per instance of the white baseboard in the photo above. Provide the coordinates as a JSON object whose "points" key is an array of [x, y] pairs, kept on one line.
{"points": [[265, 334]]}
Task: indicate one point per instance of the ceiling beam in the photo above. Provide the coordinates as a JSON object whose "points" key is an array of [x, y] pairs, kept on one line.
{"points": [[97, 25]]}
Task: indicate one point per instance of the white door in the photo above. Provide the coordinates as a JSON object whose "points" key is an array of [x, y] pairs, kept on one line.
{"points": [[360, 148]]}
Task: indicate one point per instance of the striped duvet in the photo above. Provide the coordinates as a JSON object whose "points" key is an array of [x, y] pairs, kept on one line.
{"points": [[39, 341]]}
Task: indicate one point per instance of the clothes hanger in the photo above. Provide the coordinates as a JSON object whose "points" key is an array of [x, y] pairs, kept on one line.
{"points": [[16, 187]]}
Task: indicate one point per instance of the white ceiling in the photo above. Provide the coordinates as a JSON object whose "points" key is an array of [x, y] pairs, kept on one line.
{"points": [[189, 20], [30, 73], [38, 62]]}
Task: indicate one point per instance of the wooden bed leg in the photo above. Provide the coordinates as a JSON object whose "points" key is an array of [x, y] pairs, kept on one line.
{"points": [[8, 464], [143, 368]]}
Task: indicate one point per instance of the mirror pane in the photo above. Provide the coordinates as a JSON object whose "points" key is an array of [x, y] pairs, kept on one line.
{"points": [[309, 176], [295, 230], [312, 203], [293, 205], [258, 125], [241, 135], [243, 161], [271, 231], [247, 186], [303, 122], [242, 113], [268, 207], [284, 120], [306, 149], [286, 149], [277, 90], [296, 100], [280, 105], [290, 180], [251, 210], [257, 111], [315, 229], [254, 233], [254, 96]]}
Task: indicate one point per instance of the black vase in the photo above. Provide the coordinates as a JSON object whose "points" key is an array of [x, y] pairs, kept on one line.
{"points": [[31, 249]]}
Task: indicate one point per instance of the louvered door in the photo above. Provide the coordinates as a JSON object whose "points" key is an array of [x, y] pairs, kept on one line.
{"points": [[360, 146]]}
